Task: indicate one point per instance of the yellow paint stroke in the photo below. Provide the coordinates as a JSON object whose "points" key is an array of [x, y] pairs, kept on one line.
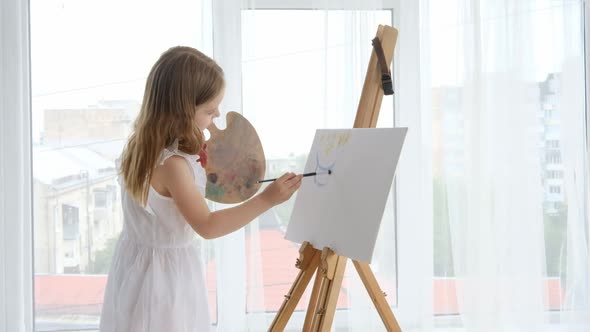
{"points": [[332, 141]]}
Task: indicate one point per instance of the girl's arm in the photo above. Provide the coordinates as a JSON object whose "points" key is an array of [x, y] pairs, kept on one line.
{"points": [[176, 177]]}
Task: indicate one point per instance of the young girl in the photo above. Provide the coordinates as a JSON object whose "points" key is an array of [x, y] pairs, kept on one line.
{"points": [[156, 279]]}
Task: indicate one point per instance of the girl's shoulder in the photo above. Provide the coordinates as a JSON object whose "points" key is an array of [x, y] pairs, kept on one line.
{"points": [[165, 154], [197, 169], [168, 152]]}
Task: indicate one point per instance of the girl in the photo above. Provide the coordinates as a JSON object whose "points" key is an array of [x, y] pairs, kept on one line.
{"points": [[156, 279]]}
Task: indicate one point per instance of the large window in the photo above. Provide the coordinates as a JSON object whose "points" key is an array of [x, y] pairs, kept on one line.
{"points": [[293, 86], [89, 64], [549, 97]]}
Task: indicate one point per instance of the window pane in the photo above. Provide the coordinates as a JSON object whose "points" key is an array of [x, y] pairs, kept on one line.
{"points": [[545, 90], [305, 76], [89, 64]]}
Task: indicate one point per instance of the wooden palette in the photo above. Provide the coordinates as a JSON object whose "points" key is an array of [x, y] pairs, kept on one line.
{"points": [[235, 161]]}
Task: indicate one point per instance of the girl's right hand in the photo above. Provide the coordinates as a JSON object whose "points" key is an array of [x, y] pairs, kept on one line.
{"points": [[282, 188]]}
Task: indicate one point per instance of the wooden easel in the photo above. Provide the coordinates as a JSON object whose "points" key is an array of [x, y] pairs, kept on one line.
{"points": [[330, 266]]}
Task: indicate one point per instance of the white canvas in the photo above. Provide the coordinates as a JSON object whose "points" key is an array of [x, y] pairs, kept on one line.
{"points": [[343, 210]]}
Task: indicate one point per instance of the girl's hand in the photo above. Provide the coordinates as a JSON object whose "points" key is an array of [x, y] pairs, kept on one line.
{"points": [[282, 188]]}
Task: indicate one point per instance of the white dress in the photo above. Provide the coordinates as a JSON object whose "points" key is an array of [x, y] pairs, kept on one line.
{"points": [[156, 281]]}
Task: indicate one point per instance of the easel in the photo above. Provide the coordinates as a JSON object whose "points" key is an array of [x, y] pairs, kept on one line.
{"points": [[330, 266]]}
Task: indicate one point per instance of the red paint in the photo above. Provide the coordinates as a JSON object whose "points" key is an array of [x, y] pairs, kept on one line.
{"points": [[203, 156]]}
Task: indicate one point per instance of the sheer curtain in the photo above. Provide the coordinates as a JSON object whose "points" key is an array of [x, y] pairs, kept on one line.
{"points": [[510, 167], [490, 226], [15, 170], [303, 67], [575, 272], [414, 176]]}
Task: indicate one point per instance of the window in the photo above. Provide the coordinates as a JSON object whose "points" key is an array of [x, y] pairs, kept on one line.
{"points": [[553, 157], [87, 86], [71, 222], [553, 144], [554, 189], [100, 198], [328, 68], [553, 174], [87, 80], [548, 79]]}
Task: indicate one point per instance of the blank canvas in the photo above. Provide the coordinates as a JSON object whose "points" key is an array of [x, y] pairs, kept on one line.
{"points": [[343, 210]]}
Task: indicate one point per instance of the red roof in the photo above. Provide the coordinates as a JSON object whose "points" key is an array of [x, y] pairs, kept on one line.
{"points": [[83, 294]]}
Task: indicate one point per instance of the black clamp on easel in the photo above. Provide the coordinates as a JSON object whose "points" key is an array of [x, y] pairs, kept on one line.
{"points": [[385, 73]]}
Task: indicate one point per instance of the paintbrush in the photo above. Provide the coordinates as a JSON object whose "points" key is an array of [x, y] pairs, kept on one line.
{"points": [[304, 175]]}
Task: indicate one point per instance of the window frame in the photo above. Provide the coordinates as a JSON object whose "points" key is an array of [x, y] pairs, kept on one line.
{"points": [[586, 31], [586, 20], [227, 40], [16, 187]]}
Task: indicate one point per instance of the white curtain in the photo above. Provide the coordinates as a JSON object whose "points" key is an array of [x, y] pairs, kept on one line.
{"points": [[15, 170], [303, 68], [414, 174], [510, 155], [575, 272], [488, 226]]}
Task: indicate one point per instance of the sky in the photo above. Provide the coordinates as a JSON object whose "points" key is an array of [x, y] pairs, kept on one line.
{"points": [[84, 51]]}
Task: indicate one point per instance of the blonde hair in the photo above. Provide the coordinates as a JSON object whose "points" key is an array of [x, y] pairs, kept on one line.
{"points": [[182, 79]]}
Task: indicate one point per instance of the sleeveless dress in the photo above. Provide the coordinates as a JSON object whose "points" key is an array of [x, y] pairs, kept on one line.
{"points": [[156, 280]]}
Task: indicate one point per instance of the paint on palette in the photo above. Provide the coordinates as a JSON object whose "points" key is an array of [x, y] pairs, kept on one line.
{"points": [[214, 191], [236, 161]]}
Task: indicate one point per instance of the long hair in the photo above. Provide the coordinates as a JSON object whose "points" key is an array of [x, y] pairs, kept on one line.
{"points": [[182, 79]]}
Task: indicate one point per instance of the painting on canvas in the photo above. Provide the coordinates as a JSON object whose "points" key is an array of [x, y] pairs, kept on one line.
{"points": [[341, 207]]}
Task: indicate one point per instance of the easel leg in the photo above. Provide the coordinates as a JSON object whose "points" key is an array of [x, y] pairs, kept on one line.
{"points": [[313, 301], [329, 307], [326, 288], [377, 296], [309, 259]]}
